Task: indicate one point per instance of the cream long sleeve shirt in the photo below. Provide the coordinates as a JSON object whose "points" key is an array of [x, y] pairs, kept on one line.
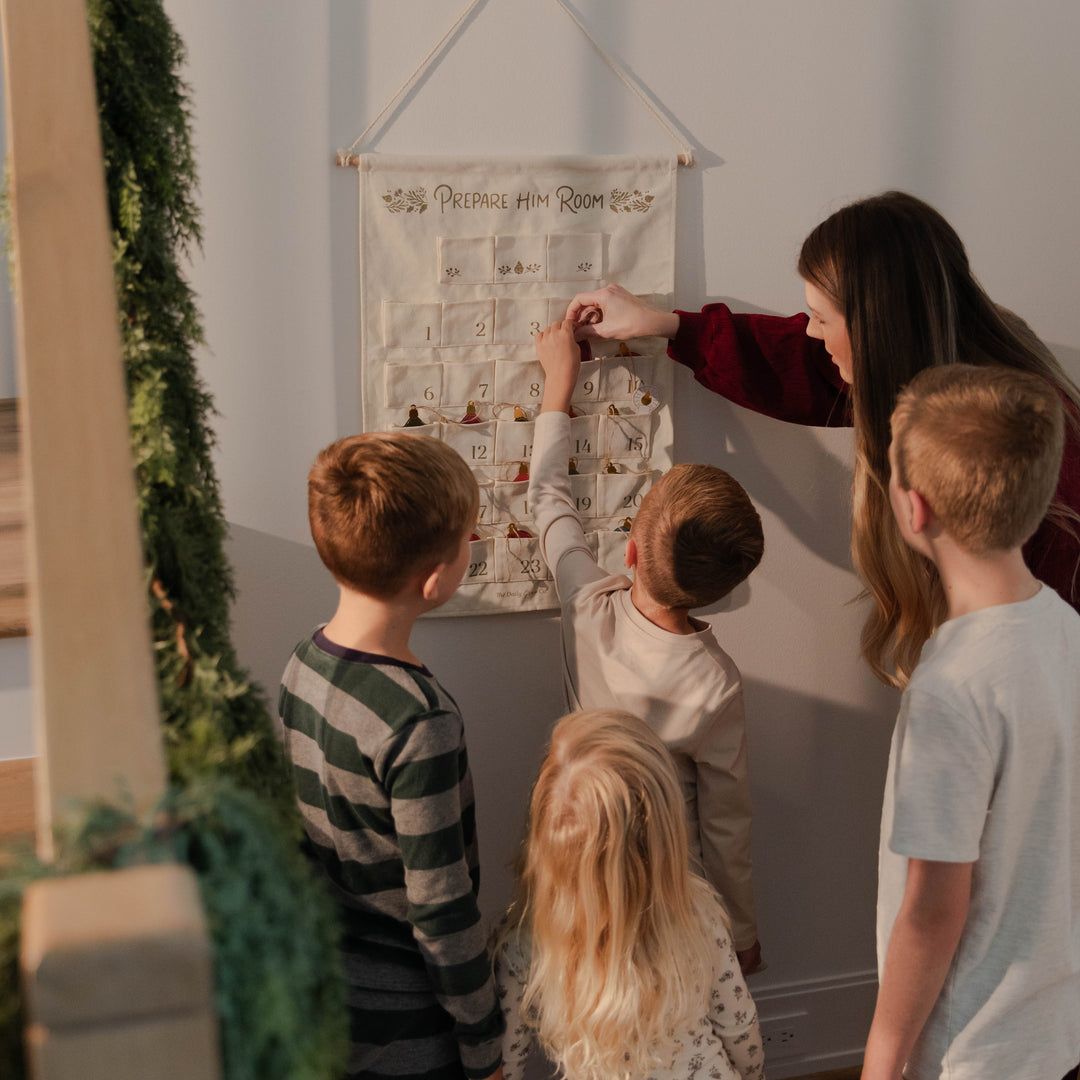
{"points": [[684, 686]]}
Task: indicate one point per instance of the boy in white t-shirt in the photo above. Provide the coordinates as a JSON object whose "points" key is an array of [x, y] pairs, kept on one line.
{"points": [[979, 887], [634, 646]]}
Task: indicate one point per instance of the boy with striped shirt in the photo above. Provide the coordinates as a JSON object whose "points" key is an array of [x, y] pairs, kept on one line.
{"points": [[378, 755]]}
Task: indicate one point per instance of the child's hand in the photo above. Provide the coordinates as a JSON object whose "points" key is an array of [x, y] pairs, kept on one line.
{"points": [[750, 959], [560, 356]]}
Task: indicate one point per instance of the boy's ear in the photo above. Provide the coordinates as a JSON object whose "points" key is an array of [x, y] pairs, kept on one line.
{"points": [[920, 515], [631, 556], [429, 587]]}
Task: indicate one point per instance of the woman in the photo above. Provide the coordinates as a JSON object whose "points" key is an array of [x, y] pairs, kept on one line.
{"points": [[890, 292]]}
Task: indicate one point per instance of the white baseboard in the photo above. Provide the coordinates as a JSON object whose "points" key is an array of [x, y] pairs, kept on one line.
{"points": [[838, 1010]]}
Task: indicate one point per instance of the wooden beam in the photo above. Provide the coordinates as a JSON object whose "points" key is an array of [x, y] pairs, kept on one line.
{"points": [[16, 798], [97, 717], [14, 601], [119, 979]]}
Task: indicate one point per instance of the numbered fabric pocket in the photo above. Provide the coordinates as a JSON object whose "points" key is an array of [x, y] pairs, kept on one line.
{"points": [[474, 442], [511, 501], [645, 369], [428, 429], [481, 568], [623, 437], [518, 320], [576, 257], [619, 378], [522, 561], [519, 382], [466, 260], [413, 384], [485, 513], [514, 441], [583, 489], [408, 326], [520, 258], [620, 494], [611, 551], [462, 383], [584, 433], [557, 310], [588, 383], [467, 322]]}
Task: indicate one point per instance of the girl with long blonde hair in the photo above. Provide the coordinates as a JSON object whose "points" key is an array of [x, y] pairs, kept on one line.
{"points": [[614, 956], [890, 292]]}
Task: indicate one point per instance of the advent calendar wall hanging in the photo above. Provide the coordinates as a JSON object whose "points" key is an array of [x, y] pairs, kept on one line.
{"points": [[462, 261]]}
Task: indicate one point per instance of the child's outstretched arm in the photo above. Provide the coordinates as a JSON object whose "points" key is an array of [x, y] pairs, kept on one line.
{"points": [[551, 497], [560, 357], [921, 947]]}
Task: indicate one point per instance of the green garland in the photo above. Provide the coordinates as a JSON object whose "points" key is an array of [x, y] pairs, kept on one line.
{"points": [[278, 984], [278, 992], [213, 717]]}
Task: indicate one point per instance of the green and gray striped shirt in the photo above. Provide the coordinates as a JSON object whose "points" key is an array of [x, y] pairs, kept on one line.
{"points": [[377, 749]]}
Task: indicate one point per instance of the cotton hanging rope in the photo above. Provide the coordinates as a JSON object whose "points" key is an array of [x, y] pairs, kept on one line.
{"points": [[348, 159]]}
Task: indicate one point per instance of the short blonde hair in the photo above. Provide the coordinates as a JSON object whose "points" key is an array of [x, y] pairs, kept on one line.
{"points": [[698, 536], [386, 504], [616, 928], [983, 446]]}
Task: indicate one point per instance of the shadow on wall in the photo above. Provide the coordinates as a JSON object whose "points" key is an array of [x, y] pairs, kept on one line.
{"points": [[1069, 358], [817, 772]]}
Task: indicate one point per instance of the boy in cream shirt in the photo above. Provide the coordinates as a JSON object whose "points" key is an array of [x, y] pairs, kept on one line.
{"points": [[635, 646]]}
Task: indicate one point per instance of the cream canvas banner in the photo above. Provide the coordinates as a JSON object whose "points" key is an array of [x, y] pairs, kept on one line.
{"points": [[462, 261]]}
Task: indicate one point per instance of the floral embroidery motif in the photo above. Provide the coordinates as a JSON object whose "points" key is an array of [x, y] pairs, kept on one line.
{"points": [[520, 268], [584, 267], [627, 201], [412, 201], [451, 271]]}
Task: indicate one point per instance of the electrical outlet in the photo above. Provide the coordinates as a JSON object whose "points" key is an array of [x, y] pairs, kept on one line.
{"points": [[784, 1036]]}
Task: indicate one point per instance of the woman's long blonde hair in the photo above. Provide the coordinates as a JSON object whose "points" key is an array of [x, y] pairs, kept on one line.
{"points": [[898, 273], [615, 927]]}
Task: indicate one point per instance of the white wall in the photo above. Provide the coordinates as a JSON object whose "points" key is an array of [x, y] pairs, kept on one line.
{"points": [[793, 109]]}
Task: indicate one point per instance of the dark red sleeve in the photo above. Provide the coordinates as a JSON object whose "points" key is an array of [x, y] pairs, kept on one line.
{"points": [[1053, 553], [762, 362]]}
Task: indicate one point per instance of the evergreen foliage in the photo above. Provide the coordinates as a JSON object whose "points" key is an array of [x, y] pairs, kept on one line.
{"points": [[213, 717], [278, 990]]}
